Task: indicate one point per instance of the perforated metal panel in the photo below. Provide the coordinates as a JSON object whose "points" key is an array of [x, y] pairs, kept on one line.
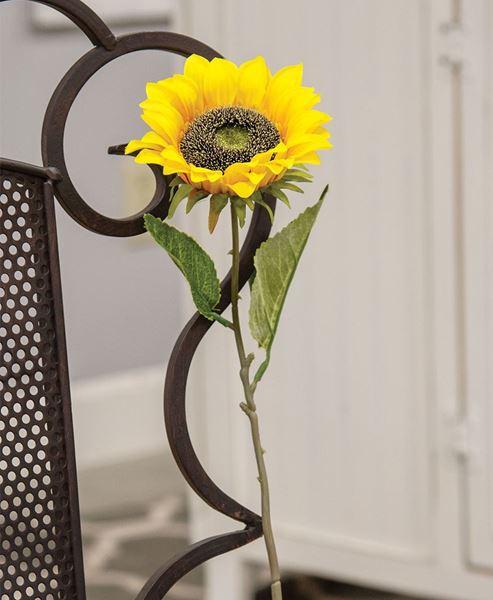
{"points": [[40, 555]]}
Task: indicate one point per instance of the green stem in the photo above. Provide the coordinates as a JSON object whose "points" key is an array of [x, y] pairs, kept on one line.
{"points": [[250, 409]]}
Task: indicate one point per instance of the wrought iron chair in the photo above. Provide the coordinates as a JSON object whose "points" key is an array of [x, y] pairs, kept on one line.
{"points": [[40, 538]]}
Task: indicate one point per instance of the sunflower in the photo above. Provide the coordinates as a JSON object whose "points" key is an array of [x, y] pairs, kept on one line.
{"points": [[231, 131]]}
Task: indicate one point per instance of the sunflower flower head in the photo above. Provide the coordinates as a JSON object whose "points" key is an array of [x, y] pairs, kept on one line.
{"points": [[231, 132]]}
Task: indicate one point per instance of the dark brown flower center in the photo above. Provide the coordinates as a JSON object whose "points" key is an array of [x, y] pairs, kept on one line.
{"points": [[226, 135]]}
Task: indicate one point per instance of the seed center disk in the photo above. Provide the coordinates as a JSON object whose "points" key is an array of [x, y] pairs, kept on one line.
{"points": [[230, 137], [226, 135]]}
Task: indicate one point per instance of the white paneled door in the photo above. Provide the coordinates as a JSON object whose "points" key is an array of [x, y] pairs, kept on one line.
{"points": [[478, 271], [368, 405]]}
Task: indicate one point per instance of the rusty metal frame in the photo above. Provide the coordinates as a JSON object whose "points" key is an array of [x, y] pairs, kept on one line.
{"points": [[56, 177]]}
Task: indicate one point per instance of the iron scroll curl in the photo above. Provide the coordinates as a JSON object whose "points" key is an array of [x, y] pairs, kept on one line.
{"points": [[107, 48]]}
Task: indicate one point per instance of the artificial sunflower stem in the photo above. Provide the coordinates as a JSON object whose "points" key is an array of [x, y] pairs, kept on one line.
{"points": [[250, 409]]}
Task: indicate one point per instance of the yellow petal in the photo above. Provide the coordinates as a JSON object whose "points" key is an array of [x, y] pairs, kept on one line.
{"points": [[158, 98], [304, 99], [220, 82], [307, 143], [322, 131], [182, 93], [308, 158], [267, 177], [174, 162], [237, 171], [306, 122], [239, 180], [167, 123], [290, 103], [254, 76], [151, 137], [198, 174], [151, 140], [134, 145], [272, 170], [149, 157], [264, 157], [287, 79], [165, 108], [275, 167], [256, 177], [195, 68], [157, 93], [243, 189], [216, 187]]}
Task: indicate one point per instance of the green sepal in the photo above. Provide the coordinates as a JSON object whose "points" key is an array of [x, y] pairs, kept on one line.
{"points": [[290, 186], [276, 191], [275, 264], [181, 193], [194, 197], [297, 178], [255, 197], [240, 209], [217, 204], [192, 260], [176, 181], [250, 202], [297, 174]]}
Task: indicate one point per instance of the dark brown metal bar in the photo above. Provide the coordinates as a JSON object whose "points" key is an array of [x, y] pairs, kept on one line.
{"points": [[16, 166], [170, 573]]}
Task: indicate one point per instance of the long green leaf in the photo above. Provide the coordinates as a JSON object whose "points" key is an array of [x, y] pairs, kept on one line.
{"points": [[275, 264], [193, 261]]}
